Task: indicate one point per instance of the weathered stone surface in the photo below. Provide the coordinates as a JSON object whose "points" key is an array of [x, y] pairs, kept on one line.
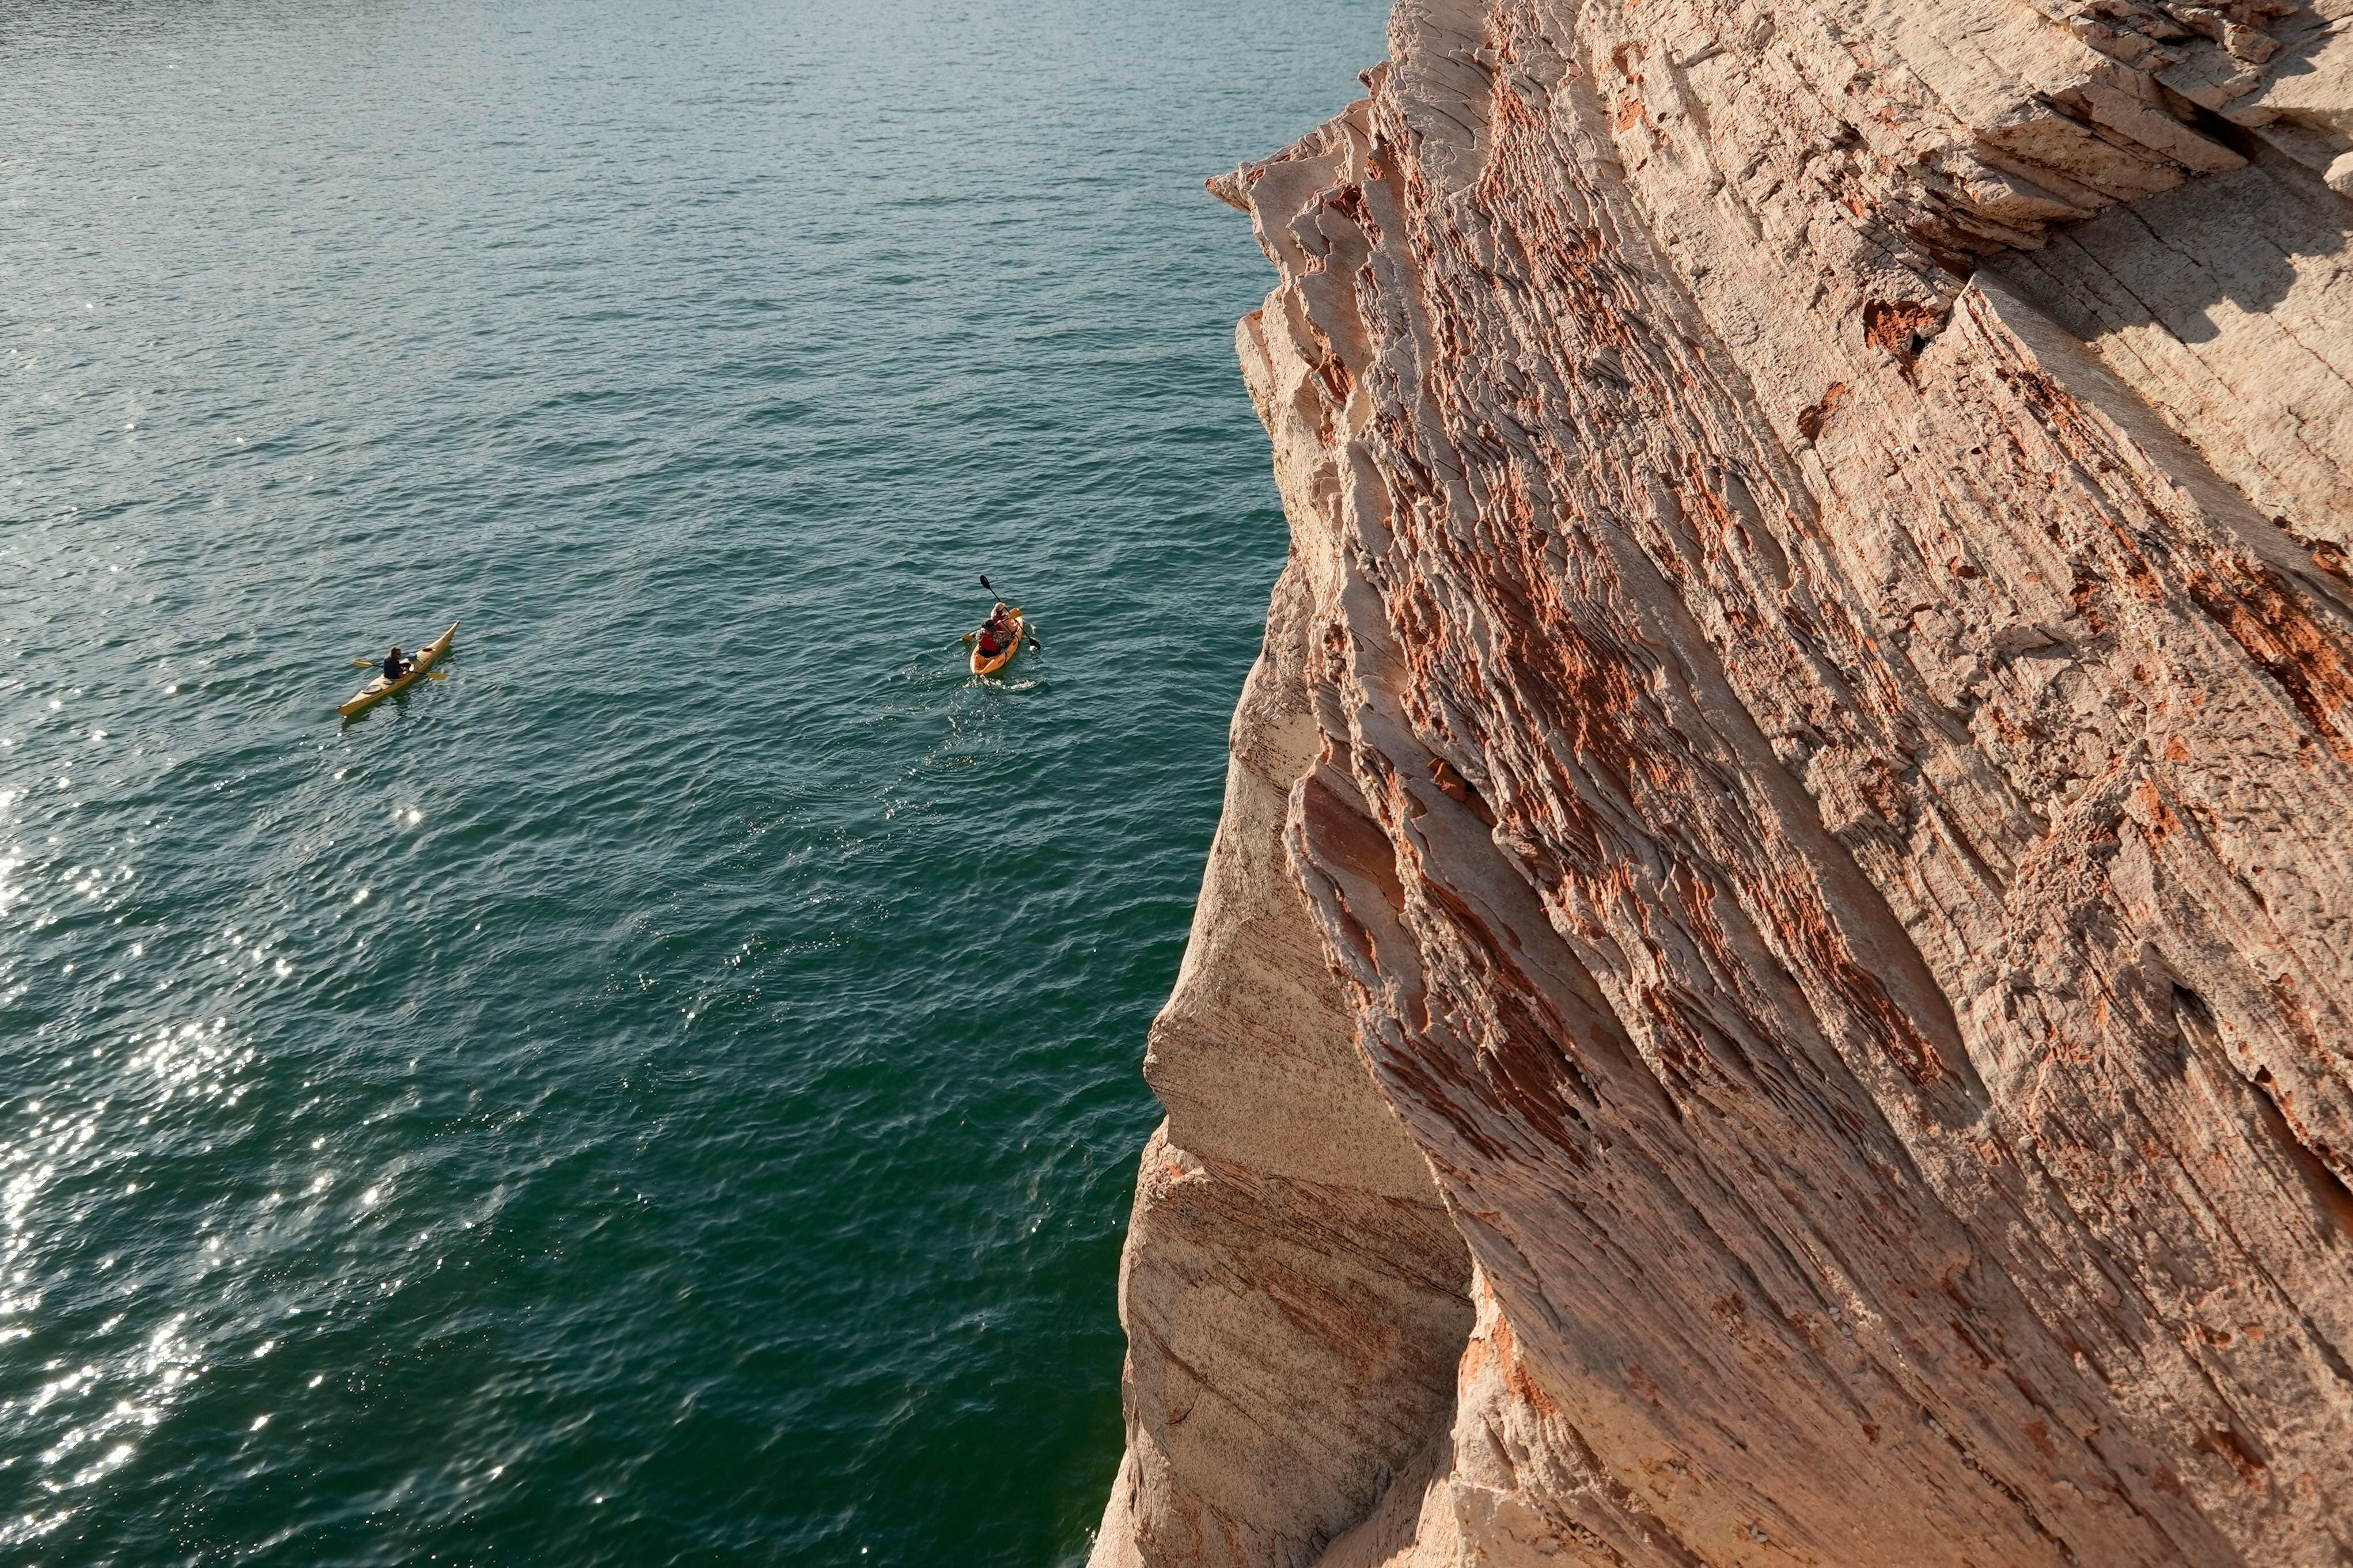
{"points": [[1808, 737], [2221, 305], [1294, 1296]]}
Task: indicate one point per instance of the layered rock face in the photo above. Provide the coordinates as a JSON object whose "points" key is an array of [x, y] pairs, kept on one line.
{"points": [[1775, 984]]}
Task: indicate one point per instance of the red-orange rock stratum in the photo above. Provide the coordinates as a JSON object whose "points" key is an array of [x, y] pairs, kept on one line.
{"points": [[1775, 984]]}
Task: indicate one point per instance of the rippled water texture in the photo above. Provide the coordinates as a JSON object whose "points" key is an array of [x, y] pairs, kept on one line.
{"points": [[668, 1092]]}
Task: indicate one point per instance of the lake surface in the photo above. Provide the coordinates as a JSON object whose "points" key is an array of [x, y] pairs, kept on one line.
{"points": [[669, 1092]]}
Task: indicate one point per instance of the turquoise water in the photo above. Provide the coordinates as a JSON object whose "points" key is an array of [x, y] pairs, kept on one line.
{"points": [[667, 1093]]}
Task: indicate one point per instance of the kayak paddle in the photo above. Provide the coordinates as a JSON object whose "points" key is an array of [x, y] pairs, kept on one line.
{"points": [[435, 673]]}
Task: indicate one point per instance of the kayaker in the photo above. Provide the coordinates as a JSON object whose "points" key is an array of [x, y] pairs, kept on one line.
{"points": [[394, 667], [996, 632]]}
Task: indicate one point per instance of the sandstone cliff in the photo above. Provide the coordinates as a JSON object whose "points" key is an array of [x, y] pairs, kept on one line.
{"points": [[1774, 987]]}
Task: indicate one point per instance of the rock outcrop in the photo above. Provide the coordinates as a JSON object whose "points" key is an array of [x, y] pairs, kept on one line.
{"points": [[1774, 987]]}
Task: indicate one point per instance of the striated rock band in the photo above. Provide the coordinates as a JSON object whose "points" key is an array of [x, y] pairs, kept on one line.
{"points": [[1776, 985]]}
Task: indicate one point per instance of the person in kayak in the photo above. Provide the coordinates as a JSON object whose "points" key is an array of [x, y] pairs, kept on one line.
{"points": [[394, 667], [996, 632]]}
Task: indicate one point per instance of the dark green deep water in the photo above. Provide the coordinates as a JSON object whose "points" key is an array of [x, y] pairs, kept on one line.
{"points": [[668, 1093]]}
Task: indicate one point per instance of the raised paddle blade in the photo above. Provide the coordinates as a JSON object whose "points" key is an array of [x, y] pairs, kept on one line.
{"points": [[365, 663]]}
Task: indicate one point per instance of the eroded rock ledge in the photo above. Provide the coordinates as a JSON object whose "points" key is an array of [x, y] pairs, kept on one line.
{"points": [[1774, 987]]}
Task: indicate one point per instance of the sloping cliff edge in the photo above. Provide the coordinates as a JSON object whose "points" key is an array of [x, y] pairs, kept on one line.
{"points": [[1774, 986]]}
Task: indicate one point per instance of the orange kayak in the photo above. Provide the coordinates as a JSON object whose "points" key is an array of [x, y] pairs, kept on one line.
{"points": [[985, 666]]}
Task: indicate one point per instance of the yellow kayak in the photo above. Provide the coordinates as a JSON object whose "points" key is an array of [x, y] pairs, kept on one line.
{"points": [[984, 666], [377, 691]]}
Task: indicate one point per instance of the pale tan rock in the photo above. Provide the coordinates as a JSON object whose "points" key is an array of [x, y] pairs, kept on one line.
{"points": [[1289, 1346], [2311, 85], [1827, 799], [1255, 1054], [2221, 304], [1293, 1294]]}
